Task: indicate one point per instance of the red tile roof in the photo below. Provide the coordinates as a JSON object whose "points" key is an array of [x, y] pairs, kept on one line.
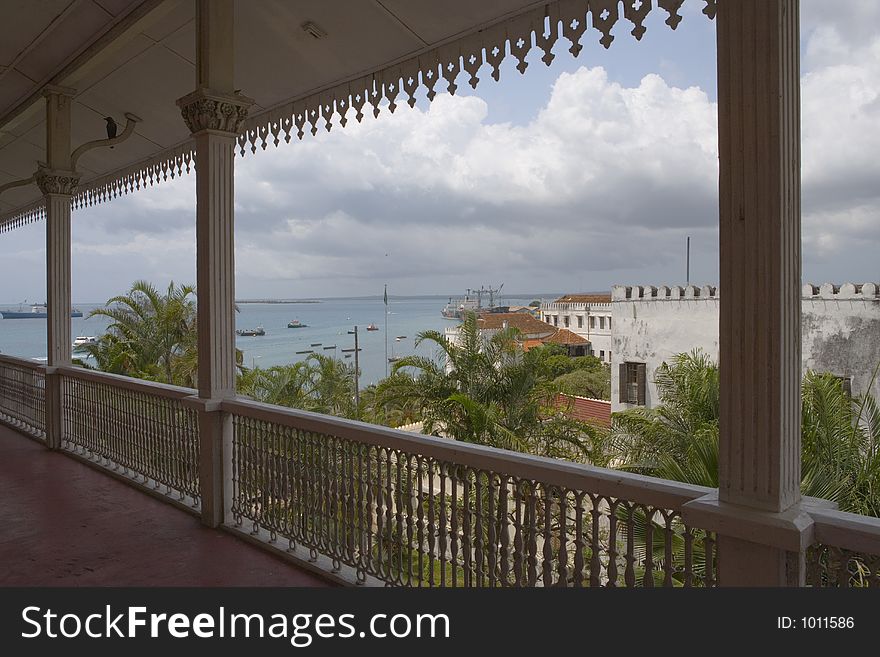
{"points": [[594, 411], [564, 336]]}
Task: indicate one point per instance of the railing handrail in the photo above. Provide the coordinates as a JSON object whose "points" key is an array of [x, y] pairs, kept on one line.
{"points": [[128, 383], [650, 491], [849, 531], [22, 362]]}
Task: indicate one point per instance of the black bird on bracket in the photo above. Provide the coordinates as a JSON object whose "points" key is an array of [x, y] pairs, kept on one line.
{"points": [[111, 127]]}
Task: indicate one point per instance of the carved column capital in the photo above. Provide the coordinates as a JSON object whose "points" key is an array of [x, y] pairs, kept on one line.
{"points": [[204, 109], [56, 181]]}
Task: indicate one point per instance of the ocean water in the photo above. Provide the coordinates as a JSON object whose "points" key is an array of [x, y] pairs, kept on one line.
{"points": [[328, 323]]}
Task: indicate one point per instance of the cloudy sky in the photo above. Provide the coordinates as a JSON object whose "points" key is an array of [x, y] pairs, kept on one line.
{"points": [[571, 178]]}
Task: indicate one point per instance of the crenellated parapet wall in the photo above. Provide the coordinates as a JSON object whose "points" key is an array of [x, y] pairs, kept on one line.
{"points": [[662, 292], [847, 291], [828, 291], [839, 325]]}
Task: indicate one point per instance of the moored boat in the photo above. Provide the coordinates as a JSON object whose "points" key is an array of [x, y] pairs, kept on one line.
{"points": [[296, 324], [37, 311], [83, 341], [472, 302], [372, 327], [251, 332]]}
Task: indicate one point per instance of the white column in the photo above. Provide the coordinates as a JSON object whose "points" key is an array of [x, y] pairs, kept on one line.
{"points": [[762, 529], [58, 183], [214, 113]]}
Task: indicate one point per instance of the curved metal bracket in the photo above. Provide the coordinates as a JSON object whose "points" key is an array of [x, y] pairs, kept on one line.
{"points": [[17, 183], [98, 143]]}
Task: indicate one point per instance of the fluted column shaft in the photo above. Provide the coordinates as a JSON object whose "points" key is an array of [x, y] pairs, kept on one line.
{"points": [[759, 142], [762, 528], [214, 113], [58, 183]]}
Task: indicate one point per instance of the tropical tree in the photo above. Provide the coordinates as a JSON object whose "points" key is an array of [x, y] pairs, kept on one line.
{"points": [[679, 439], [151, 334], [320, 384], [483, 390]]}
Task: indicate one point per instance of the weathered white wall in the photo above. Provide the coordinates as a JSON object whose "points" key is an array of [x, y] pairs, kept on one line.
{"points": [[600, 338], [840, 331], [651, 330]]}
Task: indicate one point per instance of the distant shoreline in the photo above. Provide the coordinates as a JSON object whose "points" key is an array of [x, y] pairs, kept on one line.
{"points": [[278, 301]]}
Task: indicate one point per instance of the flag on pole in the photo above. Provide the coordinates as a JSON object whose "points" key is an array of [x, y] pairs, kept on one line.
{"points": [[386, 294]]}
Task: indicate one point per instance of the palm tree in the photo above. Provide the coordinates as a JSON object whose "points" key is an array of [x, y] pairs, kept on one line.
{"points": [[320, 384], [483, 390], [679, 439], [148, 332]]}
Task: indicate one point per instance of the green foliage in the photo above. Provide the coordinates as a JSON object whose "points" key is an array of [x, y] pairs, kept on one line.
{"points": [[485, 391], [586, 383], [679, 439], [151, 335], [320, 384]]}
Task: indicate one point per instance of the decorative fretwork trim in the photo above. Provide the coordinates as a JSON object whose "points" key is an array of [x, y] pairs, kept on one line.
{"points": [[540, 27], [23, 216], [168, 164], [145, 173]]}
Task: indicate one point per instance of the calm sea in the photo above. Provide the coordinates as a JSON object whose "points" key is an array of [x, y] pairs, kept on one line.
{"points": [[328, 323]]}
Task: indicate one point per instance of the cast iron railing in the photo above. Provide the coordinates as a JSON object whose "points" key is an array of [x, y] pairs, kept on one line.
{"points": [[411, 510], [138, 428], [23, 395]]}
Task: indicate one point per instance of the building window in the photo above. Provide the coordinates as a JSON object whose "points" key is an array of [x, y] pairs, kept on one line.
{"points": [[846, 383], [565, 321], [632, 383], [548, 319], [601, 355], [580, 321], [601, 322], [555, 320], [592, 322], [609, 323]]}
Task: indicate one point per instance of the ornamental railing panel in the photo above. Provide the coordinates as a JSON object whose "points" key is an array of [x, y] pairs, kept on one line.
{"points": [[139, 429], [23, 395], [846, 553], [409, 510]]}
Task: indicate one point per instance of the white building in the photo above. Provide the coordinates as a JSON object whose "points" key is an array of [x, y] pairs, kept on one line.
{"points": [[840, 334], [587, 315]]}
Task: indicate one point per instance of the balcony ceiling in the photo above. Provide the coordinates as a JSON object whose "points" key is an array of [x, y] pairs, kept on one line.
{"points": [[139, 56]]}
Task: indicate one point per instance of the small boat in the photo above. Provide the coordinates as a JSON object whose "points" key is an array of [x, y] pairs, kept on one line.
{"points": [[348, 355], [332, 346], [305, 351], [296, 324], [372, 327], [401, 337], [394, 359], [350, 350], [251, 332], [82, 341], [315, 344]]}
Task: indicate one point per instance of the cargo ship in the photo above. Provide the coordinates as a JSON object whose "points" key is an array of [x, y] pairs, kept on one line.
{"points": [[37, 311], [472, 302]]}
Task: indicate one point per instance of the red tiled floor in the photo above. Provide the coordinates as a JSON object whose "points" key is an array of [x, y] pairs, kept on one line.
{"points": [[63, 523]]}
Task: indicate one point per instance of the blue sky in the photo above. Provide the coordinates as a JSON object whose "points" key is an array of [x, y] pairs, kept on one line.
{"points": [[570, 178]]}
